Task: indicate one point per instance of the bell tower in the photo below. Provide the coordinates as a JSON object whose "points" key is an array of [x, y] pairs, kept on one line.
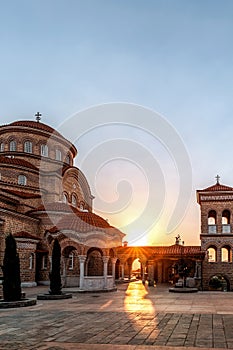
{"points": [[216, 204]]}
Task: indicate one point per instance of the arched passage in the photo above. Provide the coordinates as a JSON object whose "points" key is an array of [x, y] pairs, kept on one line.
{"points": [[94, 262]]}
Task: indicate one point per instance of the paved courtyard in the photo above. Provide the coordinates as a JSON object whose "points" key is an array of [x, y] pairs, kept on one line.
{"points": [[135, 317]]}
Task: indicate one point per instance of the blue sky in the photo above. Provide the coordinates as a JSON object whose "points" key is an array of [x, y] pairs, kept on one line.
{"points": [[174, 57]]}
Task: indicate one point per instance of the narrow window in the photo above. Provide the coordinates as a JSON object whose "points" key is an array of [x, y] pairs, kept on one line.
{"points": [[2, 146], [45, 262], [28, 147], [13, 146], [226, 255], [22, 180], [67, 160], [58, 154], [44, 150], [64, 198], [31, 262], [71, 261], [226, 217], [212, 254], [212, 228], [74, 200]]}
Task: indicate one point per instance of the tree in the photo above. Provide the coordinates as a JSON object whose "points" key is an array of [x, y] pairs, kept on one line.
{"points": [[11, 271], [55, 275]]}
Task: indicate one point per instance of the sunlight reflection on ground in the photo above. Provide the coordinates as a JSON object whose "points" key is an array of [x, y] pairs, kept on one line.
{"points": [[136, 299]]}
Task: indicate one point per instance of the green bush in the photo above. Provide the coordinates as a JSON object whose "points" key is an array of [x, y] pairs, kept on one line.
{"points": [[215, 282], [55, 275], [11, 271]]}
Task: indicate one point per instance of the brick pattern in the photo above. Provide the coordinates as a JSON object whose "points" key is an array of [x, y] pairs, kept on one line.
{"points": [[219, 239], [47, 179]]}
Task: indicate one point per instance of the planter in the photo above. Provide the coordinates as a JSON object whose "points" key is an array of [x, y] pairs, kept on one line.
{"points": [[48, 296], [18, 303]]}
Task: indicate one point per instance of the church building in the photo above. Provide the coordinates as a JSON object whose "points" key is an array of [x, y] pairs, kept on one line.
{"points": [[44, 196]]}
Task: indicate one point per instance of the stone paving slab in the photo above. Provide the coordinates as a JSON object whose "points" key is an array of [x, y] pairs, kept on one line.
{"points": [[129, 319]]}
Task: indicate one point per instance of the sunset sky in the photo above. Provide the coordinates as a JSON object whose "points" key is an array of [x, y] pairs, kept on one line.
{"points": [[175, 58]]}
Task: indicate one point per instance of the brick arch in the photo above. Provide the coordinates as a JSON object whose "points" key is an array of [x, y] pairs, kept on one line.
{"points": [[225, 277], [215, 243], [215, 248], [67, 242], [94, 262]]}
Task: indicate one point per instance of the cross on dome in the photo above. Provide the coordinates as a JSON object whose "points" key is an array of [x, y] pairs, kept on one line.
{"points": [[217, 178], [38, 116]]}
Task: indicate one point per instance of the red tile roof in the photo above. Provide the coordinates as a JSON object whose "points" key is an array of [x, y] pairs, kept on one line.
{"points": [[24, 234], [22, 194], [75, 219], [217, 187], [178, 249], [57, 207], [35, 125], [83, 222], [17, 162]]}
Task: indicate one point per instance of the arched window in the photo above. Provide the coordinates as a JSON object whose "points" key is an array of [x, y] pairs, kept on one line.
{"points": [[67, 160], [28, 146], [58, 155], [22, 180], [31, 261], [64, 198], [2, 147], [71, 261], [226, 227], [212, 228], [226, 255], [12, 145], [212, 254], [74, 200], [44, 150], [45, 261], [226, 217]]}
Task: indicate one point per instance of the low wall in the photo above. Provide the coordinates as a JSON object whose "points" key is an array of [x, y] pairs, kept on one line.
{"points": [[95, 283]]}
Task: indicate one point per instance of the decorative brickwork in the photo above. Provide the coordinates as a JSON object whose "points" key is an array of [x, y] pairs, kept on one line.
{"points": [[216, 204], [43, 197]]}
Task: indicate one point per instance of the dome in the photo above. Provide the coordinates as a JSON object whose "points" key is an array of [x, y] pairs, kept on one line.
{"points": [[34, 125], [37, 126]]}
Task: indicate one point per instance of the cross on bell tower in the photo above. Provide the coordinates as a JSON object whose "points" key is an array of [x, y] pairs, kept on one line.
{"points": [[217, 178], [38, 116]]}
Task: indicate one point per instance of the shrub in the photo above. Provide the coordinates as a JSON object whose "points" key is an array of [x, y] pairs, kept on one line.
{"points": [[215, 282], [11, 271], [55, 275]]}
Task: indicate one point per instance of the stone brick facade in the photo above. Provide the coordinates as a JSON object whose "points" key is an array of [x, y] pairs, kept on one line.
{"points": [[43, 196], [216, 204]]}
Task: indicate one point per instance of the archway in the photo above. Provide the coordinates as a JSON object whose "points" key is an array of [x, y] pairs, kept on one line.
{"points": [[220, 283], [136, 269], [94, 262]]}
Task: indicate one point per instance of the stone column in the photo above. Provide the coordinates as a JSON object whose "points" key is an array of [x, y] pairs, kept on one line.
{"points": [[105, 260], [130, 270], [114, 260], [64, 261], [151, 273], [143, 266], [160, 271], [82, 259], [122, 271], [198, 274]]}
